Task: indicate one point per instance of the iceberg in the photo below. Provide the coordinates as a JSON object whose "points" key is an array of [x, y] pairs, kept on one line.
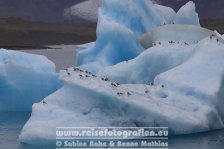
{"points": [[177, 82], [120, 25], [187, 15], [24, 80], [187, 97]]}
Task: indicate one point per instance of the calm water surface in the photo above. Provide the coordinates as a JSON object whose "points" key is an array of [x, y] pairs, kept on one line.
{"points": [[11, 124]]}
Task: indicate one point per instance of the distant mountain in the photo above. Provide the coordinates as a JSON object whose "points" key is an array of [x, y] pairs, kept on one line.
{"points": [[16, 33], [54, 11], [51, 11]]}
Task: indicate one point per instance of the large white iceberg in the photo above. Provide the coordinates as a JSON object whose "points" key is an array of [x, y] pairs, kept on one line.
{"points": [[182, 78], [187, 97], [120, 25], [24, 80]]}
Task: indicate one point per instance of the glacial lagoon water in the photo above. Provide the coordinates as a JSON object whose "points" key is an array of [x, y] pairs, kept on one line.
{"points": [[11, 123], [62, 55]]}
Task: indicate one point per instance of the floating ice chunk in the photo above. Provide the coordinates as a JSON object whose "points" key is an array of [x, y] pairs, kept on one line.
{"points": [[187, 15], [177, 33], [24, 80]]}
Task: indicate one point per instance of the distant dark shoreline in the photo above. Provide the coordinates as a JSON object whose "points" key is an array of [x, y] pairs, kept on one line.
{"points": [[211, 24], [17, 34], [24, 47]]}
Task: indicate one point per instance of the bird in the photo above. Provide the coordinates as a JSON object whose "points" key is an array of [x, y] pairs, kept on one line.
{"points": [[171, 42], [119, 94], [162, 86], [113, 84], [106, 79], [186, 43], [44, 102]]}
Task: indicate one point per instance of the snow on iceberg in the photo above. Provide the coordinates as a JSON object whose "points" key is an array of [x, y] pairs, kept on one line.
{"points": [[158, 59], [120, 25], [187, 15], [24, 80], [201, 75], [145, 67], [178, 33]]}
